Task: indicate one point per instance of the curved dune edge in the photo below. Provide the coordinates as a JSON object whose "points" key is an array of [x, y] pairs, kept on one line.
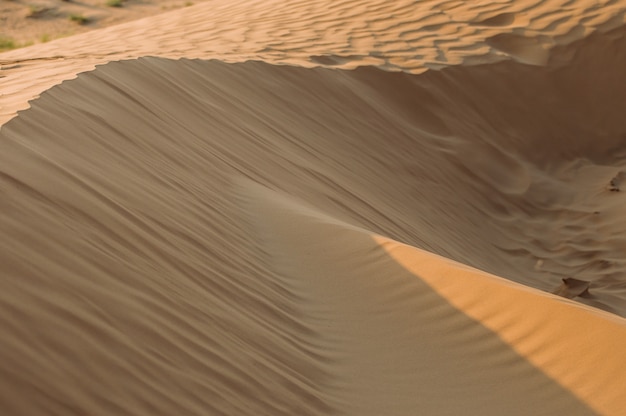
{"points": [[584, 343], [140, 275], [560, 356], [403, 35]]}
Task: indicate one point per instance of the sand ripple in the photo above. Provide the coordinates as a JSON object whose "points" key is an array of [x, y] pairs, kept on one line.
{"points": [[209, 236], [403, 35], [195, 236]]}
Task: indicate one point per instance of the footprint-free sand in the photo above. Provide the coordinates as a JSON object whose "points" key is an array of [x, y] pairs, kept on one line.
{"points": [[315, 208]]}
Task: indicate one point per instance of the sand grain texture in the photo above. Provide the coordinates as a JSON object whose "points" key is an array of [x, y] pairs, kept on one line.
{"points": [[314, 208]]}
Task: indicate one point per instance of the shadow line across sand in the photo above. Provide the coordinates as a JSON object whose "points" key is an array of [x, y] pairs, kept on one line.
{"points": [[133, 281]]}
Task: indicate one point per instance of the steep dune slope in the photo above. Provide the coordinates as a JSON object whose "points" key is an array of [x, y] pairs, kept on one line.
{"points": [[269, 237], [423, 333], [196, 236]]}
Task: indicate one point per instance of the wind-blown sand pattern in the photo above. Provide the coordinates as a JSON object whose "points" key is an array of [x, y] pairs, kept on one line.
{"points": [[301, 208], [404, 35]]}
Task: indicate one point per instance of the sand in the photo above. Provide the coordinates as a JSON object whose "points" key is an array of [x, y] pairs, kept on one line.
{"points": [[300, 208], [26, 22]]}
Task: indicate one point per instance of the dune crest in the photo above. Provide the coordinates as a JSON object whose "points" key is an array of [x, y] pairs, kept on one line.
{"points": [[371, 216], [405, 35], [128, 230]]}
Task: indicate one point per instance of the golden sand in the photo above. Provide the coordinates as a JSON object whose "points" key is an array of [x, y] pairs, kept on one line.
{"points": [[314, 208]]}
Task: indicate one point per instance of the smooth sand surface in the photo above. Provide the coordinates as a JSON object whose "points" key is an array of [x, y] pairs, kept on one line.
{"points": [[315, 208]]}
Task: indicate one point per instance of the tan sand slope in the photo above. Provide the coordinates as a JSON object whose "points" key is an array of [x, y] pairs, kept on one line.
{"points": [[399, 35], [193, 237], [197, 237], [418, 339]]}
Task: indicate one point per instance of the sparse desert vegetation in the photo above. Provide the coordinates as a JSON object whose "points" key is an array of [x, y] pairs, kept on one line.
{"points": [[7, 44], [26, 22], [78, 18]]}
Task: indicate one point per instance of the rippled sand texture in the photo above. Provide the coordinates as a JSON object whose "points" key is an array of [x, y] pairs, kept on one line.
{"points": [[403, 35], [195, 236]]}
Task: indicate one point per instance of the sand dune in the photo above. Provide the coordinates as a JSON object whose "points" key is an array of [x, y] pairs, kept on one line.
{"points": [[404, 35], [326, 229]]}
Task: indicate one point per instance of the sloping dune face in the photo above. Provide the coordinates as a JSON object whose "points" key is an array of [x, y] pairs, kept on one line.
{"points": [[197, 237], [401, 35]]}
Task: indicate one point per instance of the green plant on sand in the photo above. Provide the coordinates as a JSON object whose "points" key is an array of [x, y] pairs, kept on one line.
{"points": [[6, 44], [78, 18]]}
